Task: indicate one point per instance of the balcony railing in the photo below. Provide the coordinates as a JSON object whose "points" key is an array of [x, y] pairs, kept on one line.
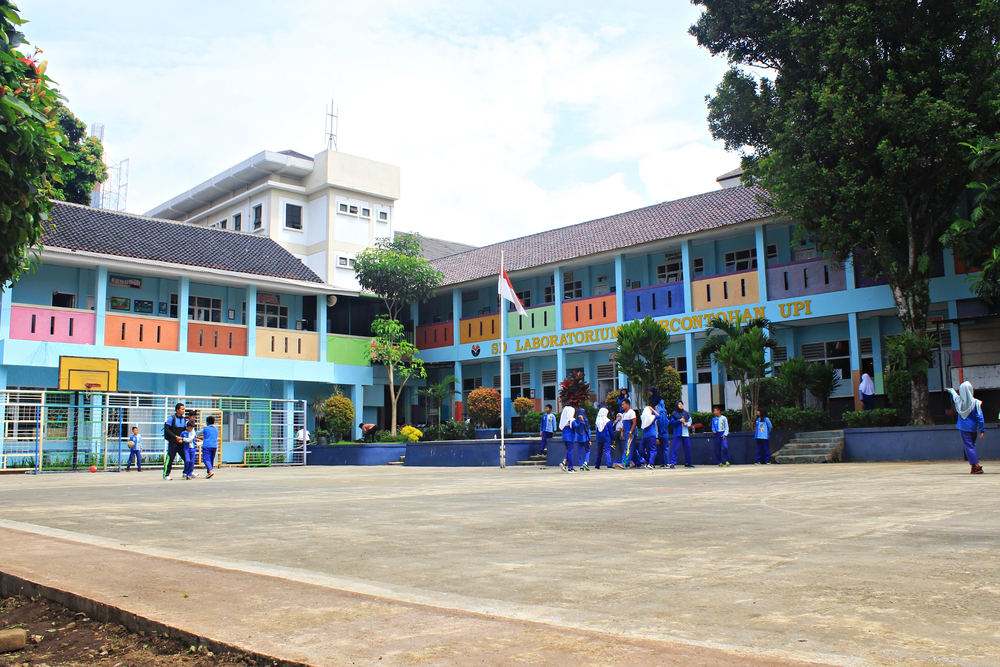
{"points": [[217, 338], [540, 319], [438, 334], [479, 328], [136, 331], [287, 344], [348, 350], [724, 291], [803, 278], [54, 325], [589, 311], [655, 301]]}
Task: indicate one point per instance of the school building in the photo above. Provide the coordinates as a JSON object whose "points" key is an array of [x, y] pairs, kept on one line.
{"points": [[682, 262]]}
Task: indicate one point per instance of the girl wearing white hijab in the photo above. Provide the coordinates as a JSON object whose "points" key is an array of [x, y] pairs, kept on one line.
{"points": [[602, 431], [970, 422], [867, 391], [566, 420]]}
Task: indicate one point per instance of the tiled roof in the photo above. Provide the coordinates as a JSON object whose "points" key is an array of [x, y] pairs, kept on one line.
{"points": [[437, 248], [731, 174], [77, 227], [654, 223]]}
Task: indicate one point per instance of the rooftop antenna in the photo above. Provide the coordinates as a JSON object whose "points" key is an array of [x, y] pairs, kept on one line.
{"points": [[112, 194], [332, 125]]}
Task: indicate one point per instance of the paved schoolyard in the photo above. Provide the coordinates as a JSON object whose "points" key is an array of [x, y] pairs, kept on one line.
{"points": [[851, 564]]}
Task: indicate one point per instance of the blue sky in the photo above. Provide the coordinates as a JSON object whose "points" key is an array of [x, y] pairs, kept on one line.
{"points": [[506, 118]]}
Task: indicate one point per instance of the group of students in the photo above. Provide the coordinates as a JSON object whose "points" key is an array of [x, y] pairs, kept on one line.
{"points": [[657, 434], [182, 439]]}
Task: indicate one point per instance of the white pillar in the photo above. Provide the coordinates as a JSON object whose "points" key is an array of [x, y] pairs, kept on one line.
{"points": [[100, 304], [688, 267]]}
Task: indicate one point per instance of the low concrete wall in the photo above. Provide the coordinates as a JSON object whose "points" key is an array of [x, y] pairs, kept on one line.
{"points": [[742, 449], [375, 454], [469, 453], [914, 443]]}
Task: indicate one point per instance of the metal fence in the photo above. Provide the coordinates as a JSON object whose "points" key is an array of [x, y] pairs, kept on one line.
{"points": [[47, 431]]}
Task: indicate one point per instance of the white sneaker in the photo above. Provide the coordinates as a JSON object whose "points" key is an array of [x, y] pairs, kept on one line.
{"points": [[194, 474], [168, 479]]}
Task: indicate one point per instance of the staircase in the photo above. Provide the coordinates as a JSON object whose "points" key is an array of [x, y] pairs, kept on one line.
{"points": [[537, 461], [813, 447], [400, 462]]}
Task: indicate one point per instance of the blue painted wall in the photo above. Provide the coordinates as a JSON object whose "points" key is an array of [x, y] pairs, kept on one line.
{"points": [[669, 299]]}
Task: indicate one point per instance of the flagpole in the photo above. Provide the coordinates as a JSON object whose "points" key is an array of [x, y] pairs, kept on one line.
{"points": [[503, 345]]}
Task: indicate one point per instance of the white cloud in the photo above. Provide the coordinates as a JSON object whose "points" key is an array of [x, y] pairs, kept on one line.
{"points": [[687, 171]]}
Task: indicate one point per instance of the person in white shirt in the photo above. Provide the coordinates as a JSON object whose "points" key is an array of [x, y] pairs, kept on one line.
{"points": [[302, 437]]}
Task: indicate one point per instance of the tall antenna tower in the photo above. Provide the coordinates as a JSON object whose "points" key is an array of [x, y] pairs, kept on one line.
{"points": [[112, 194], [332, 125]]}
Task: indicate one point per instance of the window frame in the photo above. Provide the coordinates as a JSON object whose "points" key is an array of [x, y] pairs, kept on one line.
{"points": [[257, 214], [291, 205], [237, 222]]}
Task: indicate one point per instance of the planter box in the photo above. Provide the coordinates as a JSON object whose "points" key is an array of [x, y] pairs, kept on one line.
{"points": [[487, 434], [376, 454], [914, 443], [469, 453], [742, 449]]}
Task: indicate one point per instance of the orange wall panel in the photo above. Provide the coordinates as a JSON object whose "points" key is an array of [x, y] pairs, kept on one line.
{"points": [[434, 335], [148, 333], [217, 339], [589, 311]]}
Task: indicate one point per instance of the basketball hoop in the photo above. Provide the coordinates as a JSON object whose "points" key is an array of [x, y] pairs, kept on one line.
{"points": [[92, 385]]}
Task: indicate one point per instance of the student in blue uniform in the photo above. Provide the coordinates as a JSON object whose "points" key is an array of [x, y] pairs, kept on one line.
{"points": [[663, 430], [628, 434], [209, 437], [603, 427], [566, 420], [548, 427], [720, 434], [134, 450], [970, 422], [581, 428], [680, 420], [172, 430], [762, 434], [648, 423], [866, 392], [188, 437]]}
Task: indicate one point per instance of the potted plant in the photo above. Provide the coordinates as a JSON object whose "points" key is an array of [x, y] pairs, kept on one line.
{"points": [[322, 437]]}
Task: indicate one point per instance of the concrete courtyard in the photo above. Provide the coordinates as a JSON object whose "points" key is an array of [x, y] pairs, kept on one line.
{"points": [[845, 564]]}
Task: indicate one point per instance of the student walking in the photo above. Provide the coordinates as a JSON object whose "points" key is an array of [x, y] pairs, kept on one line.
{"points": [[762, 434], [548, 427], [602, 431], [648, 423], [581, 427], [681, 422], [628, 433], [566, 420], [720, 434], [866, 392], [134, 450], [188, 437], [172, 430], [662, 435], [209, 436], [970, 422]]}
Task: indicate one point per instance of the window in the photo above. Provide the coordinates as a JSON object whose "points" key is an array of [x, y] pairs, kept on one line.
{"points": [[221, 224], [741, 260], [525, 298], [572, 289], [772, 251], [549, 294], [468, 384], [258, 216], [366, 212], [383, 216], [834, 352], [345, 262], [269, 315], [549, 381], [680, 365], [698, 265], [342, 208], [237, 222], [293, 216], [63, 300], [200, 308], [520, 385], [353, 210], [672, 271]]}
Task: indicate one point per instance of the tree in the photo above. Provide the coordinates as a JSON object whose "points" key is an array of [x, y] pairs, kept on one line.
{"points": [[395, 271], [31, 147], [574, 390], [439, 393], [823, 381], [794, 375], [909, 356], [858, 135], [641, 354], [390, 348], [976, 239], [484, 406], [739, 348], [522, 406], [338, 415], [77, 179]]}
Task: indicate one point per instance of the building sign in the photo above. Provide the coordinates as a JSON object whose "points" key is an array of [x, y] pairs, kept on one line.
{"points": [[795, 308], [119, 281]]}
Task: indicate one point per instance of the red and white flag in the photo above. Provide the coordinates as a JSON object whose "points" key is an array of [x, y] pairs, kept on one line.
{"points": [[507, 291]]}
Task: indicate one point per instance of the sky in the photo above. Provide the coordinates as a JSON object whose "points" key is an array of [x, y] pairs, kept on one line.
{"points": [[505, 118]]}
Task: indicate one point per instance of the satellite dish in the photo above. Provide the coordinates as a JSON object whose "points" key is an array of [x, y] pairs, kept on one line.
{"points": [[331, 300]]}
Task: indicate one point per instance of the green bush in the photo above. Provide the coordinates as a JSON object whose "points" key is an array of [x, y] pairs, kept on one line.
{"points": [[457, 430], [387, 436], [882, 418], [532, 422], [773, 394], [792, 419]]}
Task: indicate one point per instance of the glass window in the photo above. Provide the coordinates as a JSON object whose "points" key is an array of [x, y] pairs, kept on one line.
{"points": [[258, 216], [237, 222], [525, 298], [741, 260], [672, 271], [573, 289], [200, 308], [699, 267], [383, 215], [366, 213], [549, 294], [293, 216], [342, 208], [269, 315]]}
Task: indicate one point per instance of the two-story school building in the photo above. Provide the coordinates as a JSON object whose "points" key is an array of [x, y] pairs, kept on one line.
{"points": [[682, 262], [185, 310]]}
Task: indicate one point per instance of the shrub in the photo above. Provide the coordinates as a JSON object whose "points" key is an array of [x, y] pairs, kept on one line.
{"points": [[611, 403], [338, 416], [574, 390], [773, 394], [591, 411], [532, 422], [387, 436], [457, 430], [884, 417], [523, 405], [668, 381], [411, 433], [484, 406], [322, 433], [792, 419]]}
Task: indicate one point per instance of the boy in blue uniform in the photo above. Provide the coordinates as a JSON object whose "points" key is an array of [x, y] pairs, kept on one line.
{"points": [[547, 427], [135, 450], [628, 432], [582, 429], [603, 427], [209, 437], [172, 430], [762, 434], [970, 422], [720, 432], [188, 437]]}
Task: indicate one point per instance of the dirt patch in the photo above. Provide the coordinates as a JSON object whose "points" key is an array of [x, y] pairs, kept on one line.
{"points": [[57, 636]]}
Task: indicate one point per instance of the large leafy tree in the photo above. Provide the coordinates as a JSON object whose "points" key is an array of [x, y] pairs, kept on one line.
{"points": [[852, 120], [740, 348], [641, 354], [439, 393], [395, 270], [390, 348], [31, 147], [77, 179]]}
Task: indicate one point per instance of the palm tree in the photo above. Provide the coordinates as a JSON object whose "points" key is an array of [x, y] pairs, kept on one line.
{"points": [[739, 348], [438, 393], [795, 375]]}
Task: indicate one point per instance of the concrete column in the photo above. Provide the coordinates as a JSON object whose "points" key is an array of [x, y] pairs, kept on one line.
{"points": [[3, 385], [456, 315], [692, 372], [849, 272], [288, 393], [183, 294], [558, 284], [415, 314], [876, 328], [761, 262], [358, 397], [251, 320], [457, 396], [956, 343], [82, 288], [181, 386], [855, 379], [100, 304], [688, 264], [560, 368], [321, 326], [949, 262], [6, 300], [620, 286]]}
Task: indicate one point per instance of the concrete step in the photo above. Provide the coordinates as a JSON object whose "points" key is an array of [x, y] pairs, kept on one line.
{"points": [[395, 463], [812, 458], [538, 457], [811, 437], [813, 443], [533, 464], [803, 434], [805, 451]]}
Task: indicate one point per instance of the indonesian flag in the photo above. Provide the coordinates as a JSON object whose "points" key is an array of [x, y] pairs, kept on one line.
{"points": [[507, 291]]}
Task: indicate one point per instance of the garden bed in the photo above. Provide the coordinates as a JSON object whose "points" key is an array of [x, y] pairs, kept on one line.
{"points": [[914, 443], [355, 454], [470, 453]]}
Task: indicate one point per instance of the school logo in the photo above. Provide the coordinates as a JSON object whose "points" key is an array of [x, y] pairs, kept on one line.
{"points": [[475, 350]]}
